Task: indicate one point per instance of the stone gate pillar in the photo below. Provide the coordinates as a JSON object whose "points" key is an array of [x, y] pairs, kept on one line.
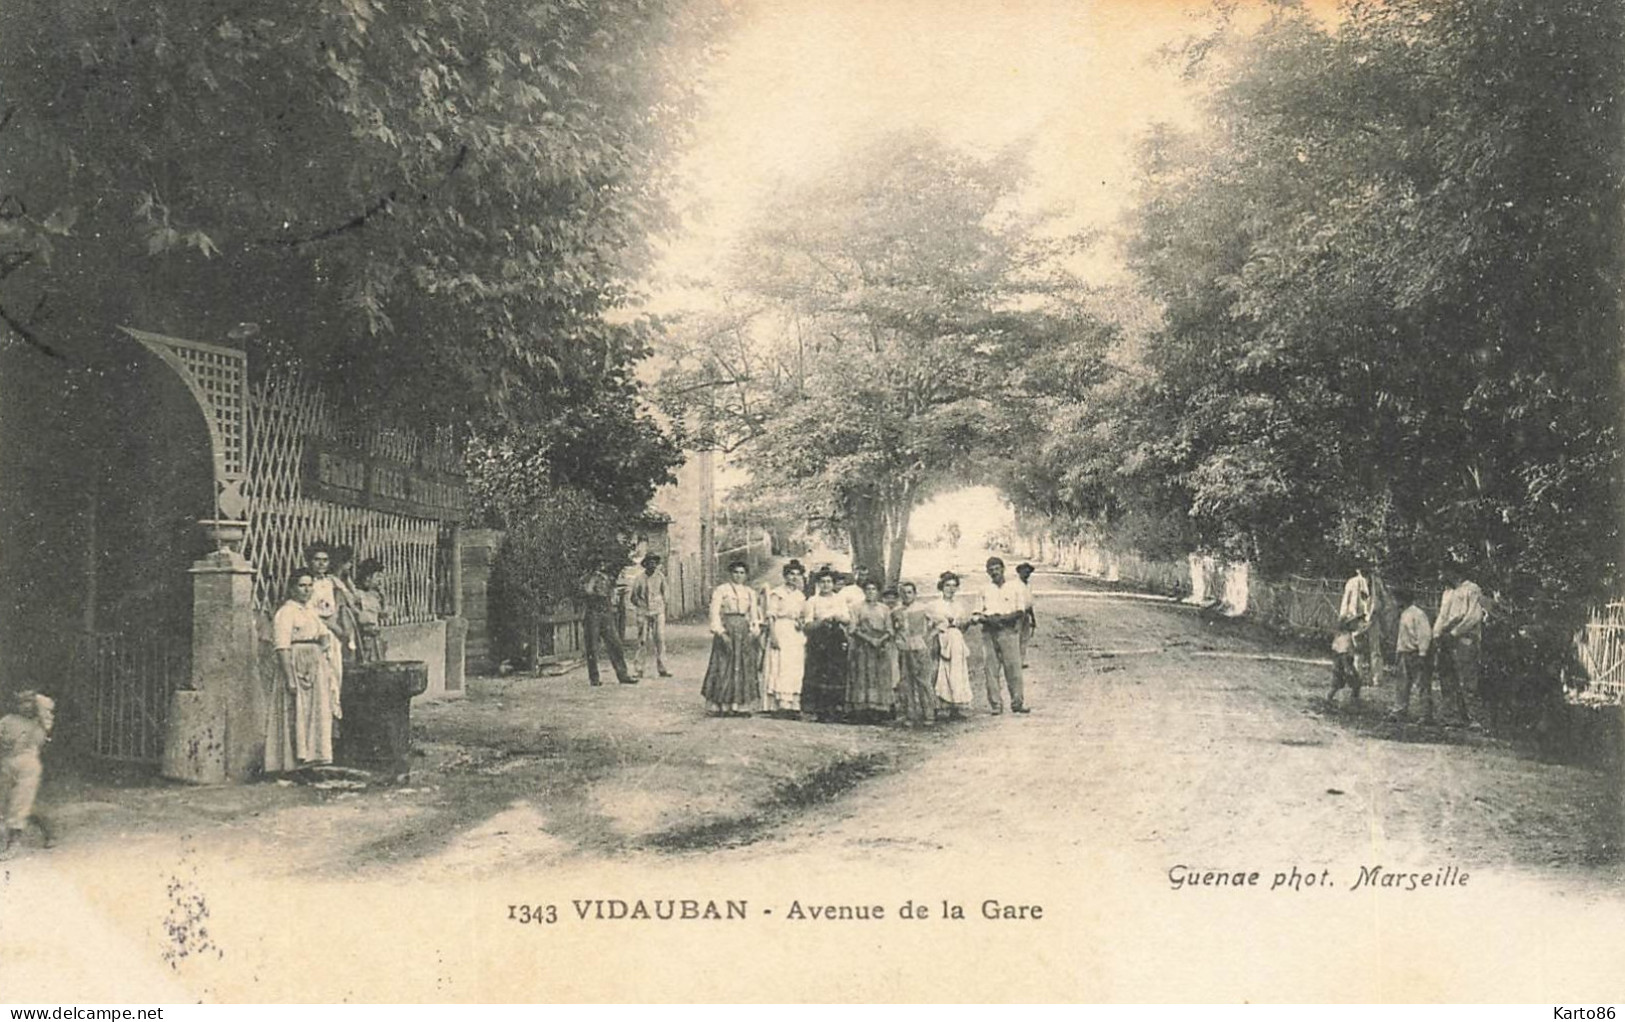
{"points": [[476, 554], [216, 730]]}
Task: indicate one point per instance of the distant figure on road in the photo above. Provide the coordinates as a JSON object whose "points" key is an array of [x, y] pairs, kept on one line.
{"points": [[1350, 628], [1003, 609], [731, 687], [1029, 623], [1458, 634], [825, 620], [648, 599], [950, 616], [598, 626], [1415, 638], [1366, 600], [784, 659]]}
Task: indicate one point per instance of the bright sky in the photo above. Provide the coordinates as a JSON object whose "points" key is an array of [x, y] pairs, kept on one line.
{"points": [[802, 80], [980, 511]]}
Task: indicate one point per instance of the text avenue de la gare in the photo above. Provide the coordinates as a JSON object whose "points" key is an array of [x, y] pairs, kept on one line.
{"points": [[736, 910]]}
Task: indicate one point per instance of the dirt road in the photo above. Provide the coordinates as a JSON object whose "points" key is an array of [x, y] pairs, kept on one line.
{"points": [[1159, 751]]}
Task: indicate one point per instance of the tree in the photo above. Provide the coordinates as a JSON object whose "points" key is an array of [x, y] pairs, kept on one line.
{"points": [[434, 206], [874, 339], [1389, 267], [544, 557]]}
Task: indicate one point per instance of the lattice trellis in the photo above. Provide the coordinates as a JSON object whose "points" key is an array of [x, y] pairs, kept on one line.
{"points": [[218, 380], [283, 411]]}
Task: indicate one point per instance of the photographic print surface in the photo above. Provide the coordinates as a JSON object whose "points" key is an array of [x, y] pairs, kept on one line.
{"points": [[811, 500]]}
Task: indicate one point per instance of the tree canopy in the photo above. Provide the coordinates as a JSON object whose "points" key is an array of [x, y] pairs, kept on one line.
{"points": [[438, 207], [1388, 263], [884, 325]]}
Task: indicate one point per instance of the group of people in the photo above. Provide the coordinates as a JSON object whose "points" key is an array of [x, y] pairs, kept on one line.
{"points": [[606, 605], [1448, 648], [829, 649], [328, 620]]}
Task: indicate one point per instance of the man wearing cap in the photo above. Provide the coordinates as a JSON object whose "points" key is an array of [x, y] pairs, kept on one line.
{"points": [[1003, 609]]}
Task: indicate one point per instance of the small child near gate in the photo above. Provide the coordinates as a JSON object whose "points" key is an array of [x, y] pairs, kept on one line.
{"points": [[23, 734]]}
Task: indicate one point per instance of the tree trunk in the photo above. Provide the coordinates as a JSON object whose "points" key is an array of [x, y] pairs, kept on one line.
{"points": [[897, 539], [867, 530]]}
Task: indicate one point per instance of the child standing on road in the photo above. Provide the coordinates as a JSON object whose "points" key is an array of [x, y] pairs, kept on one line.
{"points": [[22, 735], [1344, 671]]}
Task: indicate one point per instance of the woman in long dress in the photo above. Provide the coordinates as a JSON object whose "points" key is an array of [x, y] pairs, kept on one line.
{"points": [[949, 618], [304, 701], [825, 620], [917, 673], [731, 687], [869, 685], [785, 657]]}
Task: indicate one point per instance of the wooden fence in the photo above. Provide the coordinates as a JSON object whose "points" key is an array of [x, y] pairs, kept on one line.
{"points": [[1600, 647]]}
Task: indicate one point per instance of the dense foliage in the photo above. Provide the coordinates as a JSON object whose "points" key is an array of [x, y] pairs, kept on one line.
{"points": [[438, 207], [1389, 266], [886, 325], [545, 556]]}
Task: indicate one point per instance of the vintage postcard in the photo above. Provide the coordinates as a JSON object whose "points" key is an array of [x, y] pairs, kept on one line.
{"points": [[811, 501]]}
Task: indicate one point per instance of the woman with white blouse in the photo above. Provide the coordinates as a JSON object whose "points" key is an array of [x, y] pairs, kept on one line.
{"points": [[304, 700], [825, 620], [949, 618], [731, 686], [784, 660]]}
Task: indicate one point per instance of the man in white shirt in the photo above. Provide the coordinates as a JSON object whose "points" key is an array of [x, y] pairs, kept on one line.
{"points": [[1415, 638], [1365, 601], [648, 599], [1458, 632], [1004, 607], [853, 593], [1029, 623]]}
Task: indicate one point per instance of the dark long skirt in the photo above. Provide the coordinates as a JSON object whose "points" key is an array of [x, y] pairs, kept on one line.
{"points": [[730, 679], [869, 685], [823, 687]]}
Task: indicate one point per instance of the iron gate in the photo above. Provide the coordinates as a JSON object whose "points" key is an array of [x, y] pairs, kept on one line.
{"points": [[131, 678]]}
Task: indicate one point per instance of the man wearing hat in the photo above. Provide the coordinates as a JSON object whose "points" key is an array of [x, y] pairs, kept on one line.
{"points": [[1003, 610], [648, 599], [1029, 623]]}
